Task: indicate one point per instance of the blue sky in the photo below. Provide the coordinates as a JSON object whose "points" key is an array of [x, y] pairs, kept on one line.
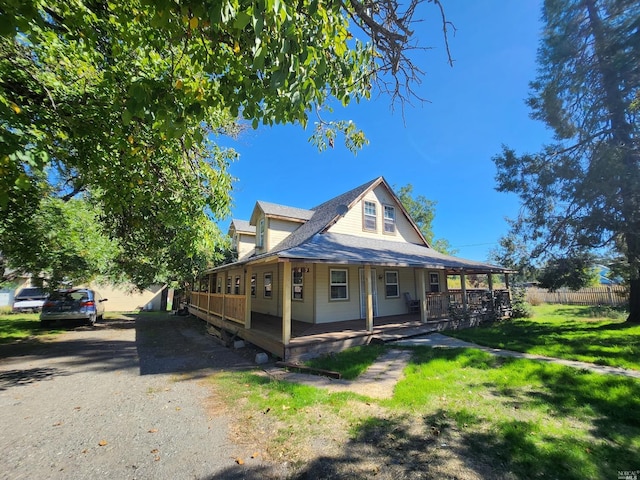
{"points": [[443, 148]]}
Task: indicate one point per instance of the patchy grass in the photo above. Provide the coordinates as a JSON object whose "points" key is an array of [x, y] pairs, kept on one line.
{"points": [[457, 413], [350, 363], [20, 326], [588, 334]]}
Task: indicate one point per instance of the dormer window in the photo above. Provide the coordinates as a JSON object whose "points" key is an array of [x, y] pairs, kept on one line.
{"points": [[370, 217], [389, 219], [260, 237]]}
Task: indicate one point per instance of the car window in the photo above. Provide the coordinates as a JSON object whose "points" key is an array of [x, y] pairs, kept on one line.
{"points": [[72, 296], [31, 293]]}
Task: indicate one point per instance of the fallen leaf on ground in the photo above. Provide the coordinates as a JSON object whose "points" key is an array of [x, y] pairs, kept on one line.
{"points": [[255, 455], [153, 430], [102, 443], [239, 461], [57, 424], [155, 450]]}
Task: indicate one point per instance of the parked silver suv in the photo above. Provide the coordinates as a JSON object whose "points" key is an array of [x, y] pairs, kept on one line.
{"points": [[75, 304]]}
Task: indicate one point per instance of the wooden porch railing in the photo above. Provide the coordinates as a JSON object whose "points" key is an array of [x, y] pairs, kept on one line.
{"points": [[451, 303], [230, 307]]}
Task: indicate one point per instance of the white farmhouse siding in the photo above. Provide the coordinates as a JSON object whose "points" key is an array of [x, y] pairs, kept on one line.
{"points": [[406, 283], [302, 309], [279, 229], [328, 310], [353, 221], [245, 244], [269, 305]]}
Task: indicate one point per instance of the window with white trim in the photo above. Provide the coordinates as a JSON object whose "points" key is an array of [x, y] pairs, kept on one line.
{"points": [[434, 282], [254, 280], [389, 219], [339, 284], [229, 285], [219, 287], [237, 285], [267, 292], [370, 216], [260, 237], [297, 282], [391, 284]]}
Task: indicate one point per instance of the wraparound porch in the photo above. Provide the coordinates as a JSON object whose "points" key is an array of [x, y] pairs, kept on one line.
{"points": [[290, 339]]}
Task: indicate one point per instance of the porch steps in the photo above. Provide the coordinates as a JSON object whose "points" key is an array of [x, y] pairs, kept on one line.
{"points": [[402, 333], [301, 351]]}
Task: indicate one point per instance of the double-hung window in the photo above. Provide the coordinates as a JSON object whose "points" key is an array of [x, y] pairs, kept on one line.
{"points": [[434, 282], [339, 284], [297, 282], [389, 219], [237, 285], [254, 279], [391, 283], [228, 285], [370, 216], [268, 277]]}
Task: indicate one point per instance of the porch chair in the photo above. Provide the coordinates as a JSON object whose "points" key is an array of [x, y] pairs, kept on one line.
{"points": [[412, 305]]}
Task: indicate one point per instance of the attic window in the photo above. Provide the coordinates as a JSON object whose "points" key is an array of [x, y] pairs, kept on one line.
{"points": [[389, 219], [260, 239], [370, 216]]}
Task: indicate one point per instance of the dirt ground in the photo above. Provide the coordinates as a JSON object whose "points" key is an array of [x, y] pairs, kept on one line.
{"points": [[131, 399]]}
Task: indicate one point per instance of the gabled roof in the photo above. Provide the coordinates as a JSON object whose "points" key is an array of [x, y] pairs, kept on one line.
{"points": [[275, 210], [242, 226], [312, 242], [324, 215]]}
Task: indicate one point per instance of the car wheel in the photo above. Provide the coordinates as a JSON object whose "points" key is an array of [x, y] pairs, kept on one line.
{"points": [[92, 320], [45, 323]]}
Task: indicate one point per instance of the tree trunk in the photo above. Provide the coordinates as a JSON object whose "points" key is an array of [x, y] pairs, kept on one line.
{"points": [[634, 301]]}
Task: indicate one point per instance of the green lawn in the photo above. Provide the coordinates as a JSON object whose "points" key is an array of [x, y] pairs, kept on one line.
{"points": [[498, 417], [21, 326], [18, 326], [571, 332]]}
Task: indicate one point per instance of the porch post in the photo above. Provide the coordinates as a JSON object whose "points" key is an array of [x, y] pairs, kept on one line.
{"points": [[423, 296], [491, 295], [209, 292], [286, 303], [247, 297], [224, 293], [367, 284], [463, 286]]}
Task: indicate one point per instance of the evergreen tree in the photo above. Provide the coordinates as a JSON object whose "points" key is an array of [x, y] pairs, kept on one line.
{"points": [[583, 191]]}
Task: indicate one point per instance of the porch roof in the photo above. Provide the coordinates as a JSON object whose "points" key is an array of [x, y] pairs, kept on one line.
{"points": [[345, 249], [349, 249]]}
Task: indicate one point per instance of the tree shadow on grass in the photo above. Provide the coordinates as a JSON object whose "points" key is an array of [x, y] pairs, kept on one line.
{"points": [[384, 448]]}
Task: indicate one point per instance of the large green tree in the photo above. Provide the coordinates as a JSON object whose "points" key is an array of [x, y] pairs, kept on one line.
{"points": [[122, 104], [583, 191], [423, 211]]}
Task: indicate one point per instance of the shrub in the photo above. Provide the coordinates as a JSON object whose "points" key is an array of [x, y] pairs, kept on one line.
{"points": [[520, 308]]}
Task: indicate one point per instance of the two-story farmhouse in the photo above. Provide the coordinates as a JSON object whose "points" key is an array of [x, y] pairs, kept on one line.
{"points": [[356, 266]]}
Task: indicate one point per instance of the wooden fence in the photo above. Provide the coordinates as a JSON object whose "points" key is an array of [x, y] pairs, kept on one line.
{"points": [[614, 296]]}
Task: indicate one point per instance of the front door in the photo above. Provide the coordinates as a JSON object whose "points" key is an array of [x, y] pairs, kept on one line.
{"points": [[363, 294]]}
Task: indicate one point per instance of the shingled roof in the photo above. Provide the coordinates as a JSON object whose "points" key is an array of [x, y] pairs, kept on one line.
{"points": [[311, 242], [243, 226]]}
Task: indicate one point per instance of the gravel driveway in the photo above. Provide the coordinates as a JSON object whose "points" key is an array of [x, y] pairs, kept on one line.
{"points": [[123, 400]]}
